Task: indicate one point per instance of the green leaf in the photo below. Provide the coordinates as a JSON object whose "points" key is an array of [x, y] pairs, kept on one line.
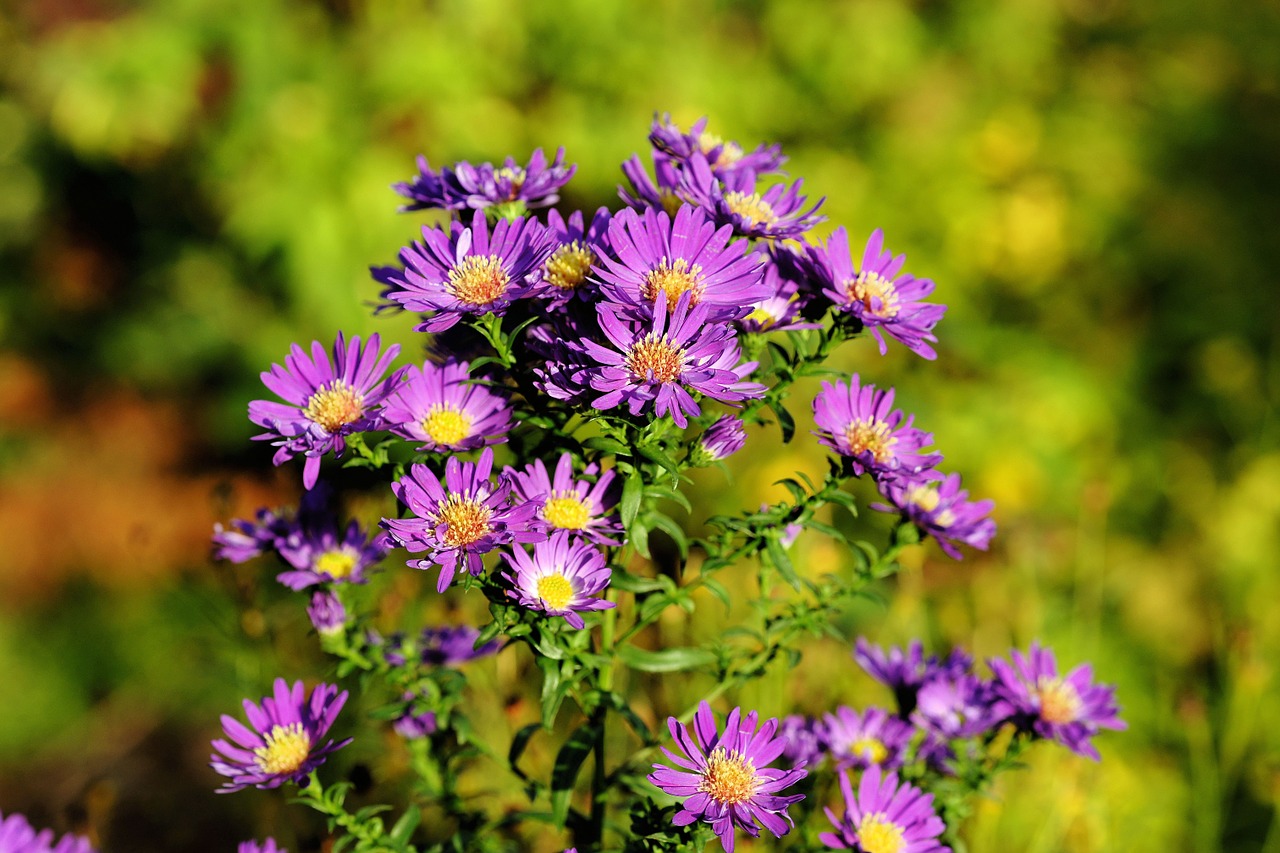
{"points": [[607, 445], [408, 822], [554, 689], [667, 660], [627, 582], [675, 531], [632, 491], [564, 773], [718, 590], [518, 745], [638, 536], [778, 556], [785, 421], [654, 454]]}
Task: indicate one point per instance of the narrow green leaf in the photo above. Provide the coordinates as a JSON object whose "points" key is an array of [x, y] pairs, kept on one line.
{"points": [[778, 556], [518, 745], [408, 822], [564, 773], [632, 490], [667, 660], [785, 421]]}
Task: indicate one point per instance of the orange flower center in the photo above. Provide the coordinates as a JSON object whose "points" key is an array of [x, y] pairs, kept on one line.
{"points": [[729, 778], [1059, 702], [335, 406], [466, 520], [478, 280], [674, 278], [568, 267], [870, 436], [655, 355], [878, 295]]}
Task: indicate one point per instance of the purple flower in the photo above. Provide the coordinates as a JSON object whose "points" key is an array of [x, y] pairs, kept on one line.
{"points": [[779, 312], [725, 780], [19, 836], [565, 503], [248, 539], [411, 726], [327, 400], [880, 297], [777, 214], [722, 439], [1066, 709], [658, 364], [667, 194], [467, 186], [806, 739], [563, 577], [283, 744], [457, 521], [905, 672], [874, 737], [327, 554], [578, 251], [451, 646], [268, 846], [860, 423], [470, 270], [723, 156], [327, 614], [957, 706], [943, 510], [660, 256], [884, 817], [437, 406]]}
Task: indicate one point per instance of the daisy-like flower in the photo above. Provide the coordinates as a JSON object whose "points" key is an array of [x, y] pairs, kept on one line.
{"points": [[957, 706], [563, 577], [873, 737], [666, 193], [780, 312], [884, 299], [411, 726], [19, 836], [284, 743], [859, 422], [806, 739], [471, 271], [565, 503], [724, 778], [722, 439], [906, 671], [579, 247], [326, 400], [659, 259], [458, 520], [246, 539], [268, 846], [326, 613], [437, 406], [774, 214], [1067, 709], [885, 817], [941, 509], [466, 186], [724, 156], [326, 553], [658, 364], [450, 646]]}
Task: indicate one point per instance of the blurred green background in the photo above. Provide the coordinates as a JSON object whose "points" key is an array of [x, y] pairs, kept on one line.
{"points": [[188, 186]]}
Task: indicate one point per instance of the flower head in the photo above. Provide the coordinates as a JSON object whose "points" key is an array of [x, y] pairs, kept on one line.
{"points": [[806, 739], [667, 193], [943, 510], [724, 779], [463, 185], [268, 846], [413, 726], [19, 836], [248, 539], [722, 439], [568, 272], [776, 213], [563, 577], [453, 645], [885, 817], [859, 422], [957, 706], [724, 156], [436, 405], [565, 503], [282, 742], [906, 671], [328, 554], [326, 613], [874, 737], [780, 311]]}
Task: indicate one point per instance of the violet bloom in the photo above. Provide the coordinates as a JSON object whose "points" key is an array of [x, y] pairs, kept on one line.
{"points": [[471, 271], [411, 726], [722, 439], [859, 422], [943, 510], [806, 739], [779, 312], [578, 251], [268, 846], [466, 186], [451, 646], [776, 214], [326, 613], [659, 259], [884, 300], [437, 406], [327, 400], [872, 738], [660, 363], [667, 193], [563, 577], [725, 780], [958, 706], [248, 539], [1067, 709], [284, 743], [19, 836], [905, 672], [328, 554], [885, 816], [458, 520], [565, 503], [724, 157]]}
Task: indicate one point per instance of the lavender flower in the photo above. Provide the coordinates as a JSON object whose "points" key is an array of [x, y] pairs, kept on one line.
{"points": [[873, 738], [667, 193], [327, 400], [437, 406], [283, 744], [806, 739], [565, 503], [248, 539], [327, 614], [905, 672], [724, 778], [722, 439], [723, 156], [942, 510], [451, 646], [326, 554], [957, 706], [859, 422], [776, 214], [411, 726], [1066, 709], [466, 186], [578, 251], [268, 846], [563, 577], [884, 816], [19, 836]]}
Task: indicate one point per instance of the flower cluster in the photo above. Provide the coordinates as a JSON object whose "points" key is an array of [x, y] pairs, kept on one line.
{"points": [[19, 836]]}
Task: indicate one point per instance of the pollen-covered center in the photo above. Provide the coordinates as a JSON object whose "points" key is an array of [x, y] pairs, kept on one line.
{"points": [[878, 834], [335, 406], [466, 520], [478, 280], [760, 317], [869, 748], [654, 356], [924, 498], [751, 207], [868, 435], [878, 295], [515, 175], [555, 591], [568, 266], [337, 564], [675, 278], [445, 424], [285, 749], [671, 202], [729, 778], [1059, 702], [566, 510]]}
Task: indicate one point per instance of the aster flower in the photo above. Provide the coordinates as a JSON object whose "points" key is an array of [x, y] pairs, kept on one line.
{"points": [[1067, 709], [326, 400], [19, 836], [565, 503], [943, 510], [885, 300], [905, 672], [779, 312], [268, 846], [563, 577], [451, 646], [326, 613], [859, 422], [667, 193], [411, 726], [283, 744], [466, 186], [579, 247], [873, 737], [657, 364], [325, 553], [957, 706], [437, 406], [471, 270], [724, 778], [246, 539], [661, 256], [806, 739], [885, 816], [722, 439], [458, 520], [724, 157], [777, 213]]}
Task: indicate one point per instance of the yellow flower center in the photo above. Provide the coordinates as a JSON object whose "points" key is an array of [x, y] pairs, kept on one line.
{"points": [[337, 564], [673, 278], [568, 267], [924, 497], [671, 202], [871, 285], [478, 280], [871, 748], [287, 747], [729, 778], [761, 318], [446, 425], [870, 436], [466, 520], [515, 174], [335, 406], [566, 510], [1059, 702], [656, 355], [876, 834], [730, 152], [555, 591], [751, 207]]}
